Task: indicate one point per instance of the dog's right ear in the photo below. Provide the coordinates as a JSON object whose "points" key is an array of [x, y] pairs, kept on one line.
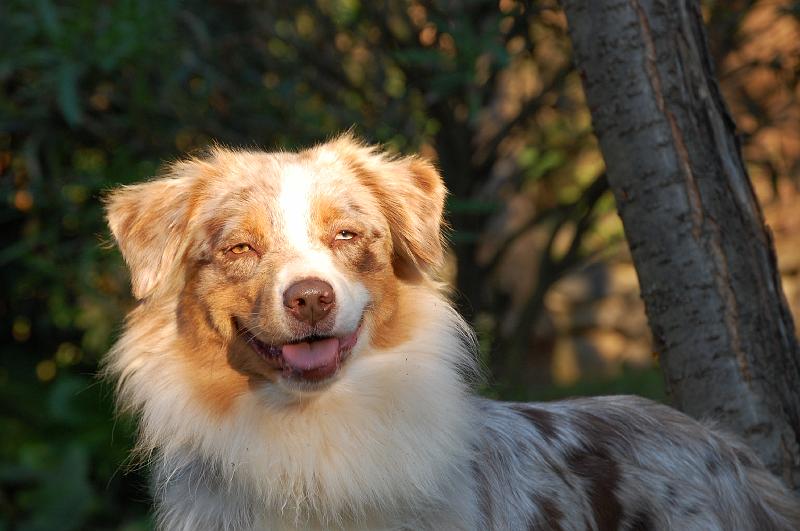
{"points": [[149, 222]]}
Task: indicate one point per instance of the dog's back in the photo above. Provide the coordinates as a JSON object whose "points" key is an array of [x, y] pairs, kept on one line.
{"points": [[620, 463]]}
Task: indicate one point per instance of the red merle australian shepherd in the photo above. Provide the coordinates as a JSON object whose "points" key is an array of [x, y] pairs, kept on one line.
{"points": [[294, 365]]}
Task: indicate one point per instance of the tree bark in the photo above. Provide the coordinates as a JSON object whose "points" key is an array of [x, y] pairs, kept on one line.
{"points": [[705, 260]]}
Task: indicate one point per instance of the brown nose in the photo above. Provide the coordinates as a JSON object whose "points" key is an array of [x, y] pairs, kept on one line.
{"points": [[309, 300]]}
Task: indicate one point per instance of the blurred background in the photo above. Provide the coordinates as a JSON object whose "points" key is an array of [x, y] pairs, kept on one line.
{"points": [[96, 93]]}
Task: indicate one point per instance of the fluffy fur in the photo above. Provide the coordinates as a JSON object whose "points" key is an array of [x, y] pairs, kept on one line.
{"points": [[394, 438]]}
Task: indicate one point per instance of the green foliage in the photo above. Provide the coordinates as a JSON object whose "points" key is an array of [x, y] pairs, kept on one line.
{"points": [[62, 457], [94, 94], [647, 382]]}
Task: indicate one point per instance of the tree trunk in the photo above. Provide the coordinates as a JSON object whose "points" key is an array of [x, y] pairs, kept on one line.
{"points": [[705, 260]]}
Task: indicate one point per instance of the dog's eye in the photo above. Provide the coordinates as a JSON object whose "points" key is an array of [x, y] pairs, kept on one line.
{"points": [[345, 235], [240, 248]]}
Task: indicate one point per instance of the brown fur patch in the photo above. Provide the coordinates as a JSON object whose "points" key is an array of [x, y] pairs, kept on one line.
{"points": [[552, 515], [541, 419], [367, 262], [641, 522], [595, 464], [394, 319], [603, 475], [204, 354]]}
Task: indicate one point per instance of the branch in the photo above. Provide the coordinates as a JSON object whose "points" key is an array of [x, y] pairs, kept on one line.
{"points": [[550, 271], [528, 109], [590, 195]]}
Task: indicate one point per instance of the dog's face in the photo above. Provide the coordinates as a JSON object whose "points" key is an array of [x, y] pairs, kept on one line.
{"points": [[290, 261]]}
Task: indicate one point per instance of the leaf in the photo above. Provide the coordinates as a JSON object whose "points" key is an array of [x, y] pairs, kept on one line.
{"points": [[472, 206], [48, 16], [68, 101], [62, 401]]}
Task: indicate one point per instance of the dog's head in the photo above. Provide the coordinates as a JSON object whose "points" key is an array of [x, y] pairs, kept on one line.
{"points": [[290, 260]]}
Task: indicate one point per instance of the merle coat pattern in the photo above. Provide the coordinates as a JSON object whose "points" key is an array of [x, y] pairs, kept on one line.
{"points": [[255, 416]]}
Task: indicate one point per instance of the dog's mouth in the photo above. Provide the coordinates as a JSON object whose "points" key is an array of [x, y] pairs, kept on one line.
{"points": [[312, 358]]}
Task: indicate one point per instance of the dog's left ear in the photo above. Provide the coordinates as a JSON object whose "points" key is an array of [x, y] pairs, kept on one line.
{"points": [[418, 208], [411, 194]]}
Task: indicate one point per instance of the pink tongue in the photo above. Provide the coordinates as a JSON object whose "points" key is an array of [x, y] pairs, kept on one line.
{"points": [[307, 356]]}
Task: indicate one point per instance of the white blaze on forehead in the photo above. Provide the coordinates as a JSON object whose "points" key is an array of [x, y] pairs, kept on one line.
{"points": [[294, 203], [312, 259]]}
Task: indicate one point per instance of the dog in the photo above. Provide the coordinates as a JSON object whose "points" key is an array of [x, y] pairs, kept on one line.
{"points": [[294, 364]]}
